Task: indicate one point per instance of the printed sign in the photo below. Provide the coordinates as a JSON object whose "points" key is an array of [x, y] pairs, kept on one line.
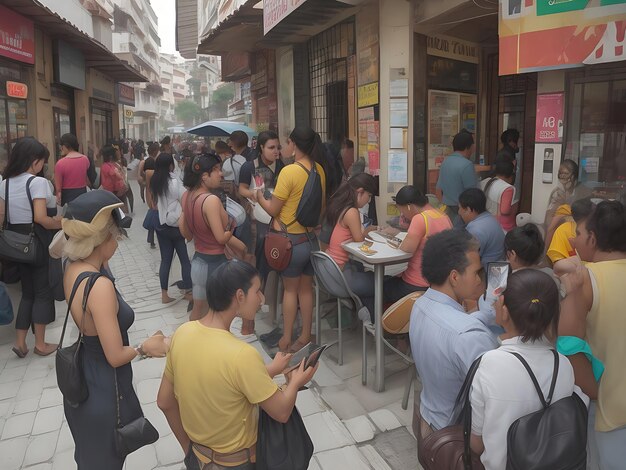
{"points": [[17, 36], [125, 94], [17, 90], [452, 48], [368, 95], [550, 34], [549, 123], [274, 11]]}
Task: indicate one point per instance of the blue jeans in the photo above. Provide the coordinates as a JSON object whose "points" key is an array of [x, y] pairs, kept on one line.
{"points": [[607, 450], [171, 239]]}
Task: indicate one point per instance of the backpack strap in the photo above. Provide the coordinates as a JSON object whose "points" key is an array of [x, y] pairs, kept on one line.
{"points": [[308, 172], [544, 402]]}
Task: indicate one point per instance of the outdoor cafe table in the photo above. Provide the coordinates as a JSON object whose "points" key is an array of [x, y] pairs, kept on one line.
{"points": [[385, 256]]}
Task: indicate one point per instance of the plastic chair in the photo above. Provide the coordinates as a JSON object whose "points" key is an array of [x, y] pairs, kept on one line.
{"points": [[391, 324], [330, 279]]}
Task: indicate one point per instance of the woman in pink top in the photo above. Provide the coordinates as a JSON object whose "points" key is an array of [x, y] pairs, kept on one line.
{"points": [[343, 214], [425, 221], [205, 220], [70, 172]]}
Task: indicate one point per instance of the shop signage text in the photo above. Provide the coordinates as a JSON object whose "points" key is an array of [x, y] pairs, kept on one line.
{"points": [[102, 95], [549, 123], [274, 11], [452, 48], [125, 94], [129, 113], [368, 95], [17, 36], [17, 90]]}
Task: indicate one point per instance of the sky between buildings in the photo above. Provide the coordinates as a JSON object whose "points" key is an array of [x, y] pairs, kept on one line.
{"points": [[166, 12]]}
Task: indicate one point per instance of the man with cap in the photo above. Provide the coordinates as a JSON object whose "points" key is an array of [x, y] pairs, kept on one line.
{"points": [[425, 221]]}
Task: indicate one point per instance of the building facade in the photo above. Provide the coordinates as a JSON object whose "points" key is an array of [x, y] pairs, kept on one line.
{"points": [[57, 74], [400, 79], [136, 41]]}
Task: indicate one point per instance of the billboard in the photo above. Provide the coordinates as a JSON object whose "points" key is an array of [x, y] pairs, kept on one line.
{"points": [[540, 35], [17, 36]]}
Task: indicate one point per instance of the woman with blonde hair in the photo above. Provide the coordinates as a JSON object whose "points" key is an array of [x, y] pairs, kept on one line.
{"points": [[93, 223]]}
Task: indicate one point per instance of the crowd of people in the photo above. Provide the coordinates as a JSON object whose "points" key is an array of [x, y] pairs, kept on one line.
{"points": [[562, 294]]}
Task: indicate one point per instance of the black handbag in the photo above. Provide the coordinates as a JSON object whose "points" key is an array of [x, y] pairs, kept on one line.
{"points": [[134, 435], [281, 446], [69, 362], [16, 246]]}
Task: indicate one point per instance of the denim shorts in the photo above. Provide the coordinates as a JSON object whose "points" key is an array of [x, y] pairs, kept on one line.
{"points": [[202, 265], [300, 262]]}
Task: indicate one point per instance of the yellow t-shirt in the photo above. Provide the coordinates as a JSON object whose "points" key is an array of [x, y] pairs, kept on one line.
{"points": [[218, 382], [289, 188], [560, 246]]}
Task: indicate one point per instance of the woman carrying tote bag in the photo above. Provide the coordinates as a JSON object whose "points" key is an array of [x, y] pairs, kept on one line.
{"points": [[26, 160]]}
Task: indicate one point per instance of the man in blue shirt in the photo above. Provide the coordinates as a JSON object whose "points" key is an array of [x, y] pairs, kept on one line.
{"points": [[482, 225], [457, 174], [445, 340]]}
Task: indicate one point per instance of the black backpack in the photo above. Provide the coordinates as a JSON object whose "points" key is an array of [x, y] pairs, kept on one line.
{"points": [[309, 208], [553, 438]]}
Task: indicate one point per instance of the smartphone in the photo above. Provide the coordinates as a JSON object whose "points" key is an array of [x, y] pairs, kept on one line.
{"points": [[314, 357], [298, 356], [497, 277]]}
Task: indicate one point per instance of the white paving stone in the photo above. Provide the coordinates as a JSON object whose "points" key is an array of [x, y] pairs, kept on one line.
{"points": [[142, 459], [41, 448], [31, 388], [25, 406], [48, 419], [327, 431], [168, 450], [385, 420], [308, 403], [147, 390], [9, 389], [18, 425], [40, 466], [12, 452], [341, 459], [65, 440], [64, 461], [374, 458], [50, 397], [313, 465], [361, 428]]}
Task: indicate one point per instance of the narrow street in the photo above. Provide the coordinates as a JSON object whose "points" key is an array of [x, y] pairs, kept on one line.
{"points": [[351, 426]]}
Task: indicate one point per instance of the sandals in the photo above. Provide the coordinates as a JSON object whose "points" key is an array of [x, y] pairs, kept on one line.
{"points": [[39, 352], [19, 353]]}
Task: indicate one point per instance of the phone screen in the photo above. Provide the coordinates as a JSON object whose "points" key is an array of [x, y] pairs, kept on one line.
{"points": [[311, 361], [497, 277]]}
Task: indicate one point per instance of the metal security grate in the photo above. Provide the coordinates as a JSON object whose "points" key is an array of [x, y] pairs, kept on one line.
{"points": [[328, 69]]}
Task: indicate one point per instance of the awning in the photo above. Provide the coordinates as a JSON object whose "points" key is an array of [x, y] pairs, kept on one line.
{"points": [[97, 56], [242, 31]]}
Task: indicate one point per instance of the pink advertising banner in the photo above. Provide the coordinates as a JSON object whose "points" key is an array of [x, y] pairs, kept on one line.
{"points": [[549, 123]]}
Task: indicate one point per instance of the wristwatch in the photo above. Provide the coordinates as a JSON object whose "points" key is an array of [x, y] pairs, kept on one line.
{"points": [[140, 352]]}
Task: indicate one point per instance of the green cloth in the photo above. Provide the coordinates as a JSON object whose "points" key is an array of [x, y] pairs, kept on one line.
{"points": [[570, 345]]}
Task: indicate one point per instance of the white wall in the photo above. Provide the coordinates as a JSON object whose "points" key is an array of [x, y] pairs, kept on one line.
{"points": [[73, 12], [547, 82]]}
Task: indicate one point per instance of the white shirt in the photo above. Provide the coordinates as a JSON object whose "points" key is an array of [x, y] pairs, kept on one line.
{"points": [[19, 208], [494, 195], [232, 167], [169, 205], [502, 392]]}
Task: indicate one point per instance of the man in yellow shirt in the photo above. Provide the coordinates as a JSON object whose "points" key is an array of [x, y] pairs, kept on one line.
{"points": [[560, 246]]}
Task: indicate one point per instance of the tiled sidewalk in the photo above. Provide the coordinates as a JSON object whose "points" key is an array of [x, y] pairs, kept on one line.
{"points": [[350, 425]]}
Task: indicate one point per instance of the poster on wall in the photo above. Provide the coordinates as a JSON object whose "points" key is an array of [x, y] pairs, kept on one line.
{"points": [[546, 34], [549, 123], [443, 125], [397, 166], [368, 65], [468, 104]]}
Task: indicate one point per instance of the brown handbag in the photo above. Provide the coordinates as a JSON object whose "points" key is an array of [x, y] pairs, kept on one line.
{"points": [[449, 448], [277, 247]]}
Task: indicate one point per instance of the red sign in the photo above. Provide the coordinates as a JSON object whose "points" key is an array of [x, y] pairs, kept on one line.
{"points": [[17, 90], [125, 94], [549, 124], [17, 36]]}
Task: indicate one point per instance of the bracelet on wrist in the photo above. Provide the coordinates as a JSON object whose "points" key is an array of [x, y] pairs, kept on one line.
{"points": [[140, 352]]}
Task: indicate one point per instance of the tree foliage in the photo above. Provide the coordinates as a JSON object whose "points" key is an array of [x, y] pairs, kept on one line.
{"points": [[188, 112]]}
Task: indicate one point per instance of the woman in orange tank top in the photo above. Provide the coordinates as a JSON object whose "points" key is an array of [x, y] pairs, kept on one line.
{"points": [[205, 220]]}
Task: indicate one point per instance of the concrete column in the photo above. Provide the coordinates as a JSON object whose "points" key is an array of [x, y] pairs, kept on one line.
{"points": [[396, 44]]}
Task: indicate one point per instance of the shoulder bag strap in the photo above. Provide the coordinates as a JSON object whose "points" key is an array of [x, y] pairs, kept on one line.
{"points": [[466, 414], [545, 403], [30, 200], [6, 204], [308, 172], [426, 222], [81, 277]]}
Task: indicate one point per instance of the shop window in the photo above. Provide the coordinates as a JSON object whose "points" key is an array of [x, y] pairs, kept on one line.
{"points": [[596, 135]]}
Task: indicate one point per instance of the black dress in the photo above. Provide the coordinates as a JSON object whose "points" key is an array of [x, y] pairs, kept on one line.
{"points": [[93, 422]]}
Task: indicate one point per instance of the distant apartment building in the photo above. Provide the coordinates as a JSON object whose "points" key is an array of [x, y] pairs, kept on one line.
{"points": [[136, 40]]}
